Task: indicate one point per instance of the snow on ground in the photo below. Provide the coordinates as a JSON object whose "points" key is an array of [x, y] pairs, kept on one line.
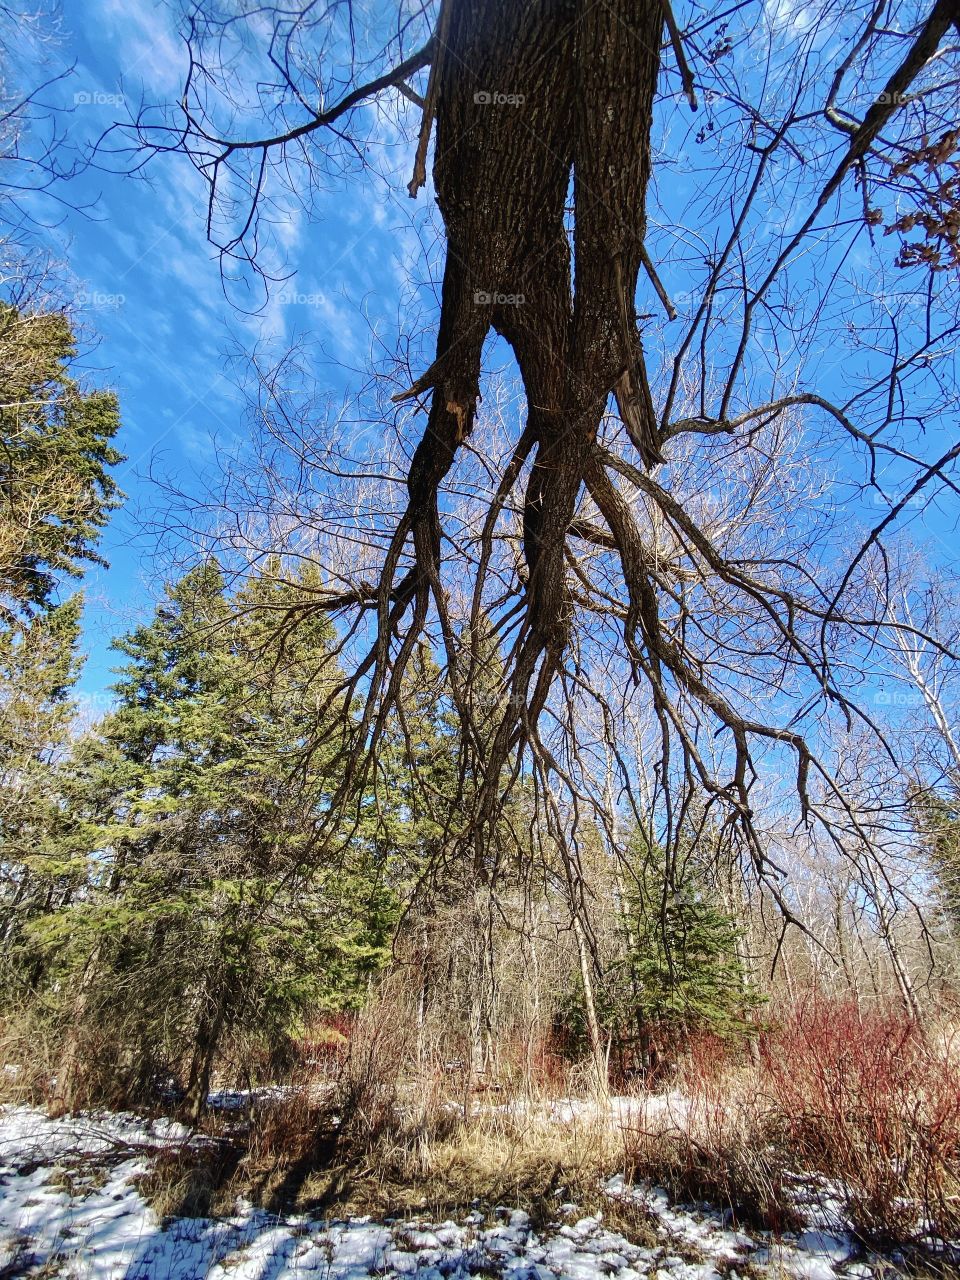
{"points": [[241, 1099], [622, 1112], [69, 1206]]}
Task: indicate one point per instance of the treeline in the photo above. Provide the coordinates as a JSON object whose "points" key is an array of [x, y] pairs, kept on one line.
{"points": [[202, 881], [177, 890]]}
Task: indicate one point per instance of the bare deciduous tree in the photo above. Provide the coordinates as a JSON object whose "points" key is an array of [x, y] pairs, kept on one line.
{"points": [[685, 512]]}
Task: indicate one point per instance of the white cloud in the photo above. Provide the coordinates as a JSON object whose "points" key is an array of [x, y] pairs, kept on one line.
{"points": [[149, 50]]}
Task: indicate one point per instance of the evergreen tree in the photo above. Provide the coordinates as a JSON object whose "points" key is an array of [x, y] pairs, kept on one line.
{"points": [[213, 911], [677, 965], [683, 953], [416, 816], [39, 665], [937, 818], [56, 494], [56, 491]]}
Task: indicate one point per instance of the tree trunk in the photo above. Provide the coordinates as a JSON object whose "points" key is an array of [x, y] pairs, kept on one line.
{"points": [[529, 97], [205, 1048], [598, 1057]]}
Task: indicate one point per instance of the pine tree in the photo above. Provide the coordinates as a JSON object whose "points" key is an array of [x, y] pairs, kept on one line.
{"points": [[56, 494], [684, 955], [213, 910], [937, 819], [416, 816], [676, 964], [56, 491], [39, 665]]}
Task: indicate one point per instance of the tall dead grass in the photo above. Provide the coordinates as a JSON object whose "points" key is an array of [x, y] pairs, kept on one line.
{"points": [[853, 1112], [856, 1111], [29, 1050], [401, 1120]]}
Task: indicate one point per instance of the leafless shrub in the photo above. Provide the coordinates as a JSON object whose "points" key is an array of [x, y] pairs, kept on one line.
{"points": [[845, 1107]]}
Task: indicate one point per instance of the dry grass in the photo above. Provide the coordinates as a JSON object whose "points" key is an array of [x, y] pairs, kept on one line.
{"points": [[862, 1108], [533, 1162], [192, 1181], [456, 1167], [28, 1054]]}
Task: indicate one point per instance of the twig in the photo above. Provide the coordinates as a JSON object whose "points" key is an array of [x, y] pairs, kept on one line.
{"points": [[686, 75]]}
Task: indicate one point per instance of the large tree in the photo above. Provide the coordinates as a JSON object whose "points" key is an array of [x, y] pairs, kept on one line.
{"points": [[39, 872], [575, 196], [210, 908]]}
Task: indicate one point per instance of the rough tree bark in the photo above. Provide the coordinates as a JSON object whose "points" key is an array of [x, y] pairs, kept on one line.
{"points": [[529, 99]]}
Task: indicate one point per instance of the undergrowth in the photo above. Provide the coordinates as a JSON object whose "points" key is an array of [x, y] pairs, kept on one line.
{"points": [[854, 1111]]}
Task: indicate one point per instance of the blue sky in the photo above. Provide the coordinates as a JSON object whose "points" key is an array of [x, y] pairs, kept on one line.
{"points": [[150, 291], [150, 287]]}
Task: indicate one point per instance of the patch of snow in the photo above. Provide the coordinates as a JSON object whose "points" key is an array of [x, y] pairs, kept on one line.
{"points": [[69, 1202], [242, 1099]]}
